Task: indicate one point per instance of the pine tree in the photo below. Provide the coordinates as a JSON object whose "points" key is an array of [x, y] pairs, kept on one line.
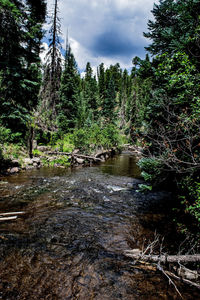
{"points": [[101, 81], [20, 80], [109, 104], [124, 97], [36, 12], [69, 93], [90, 92], [175, 27]]}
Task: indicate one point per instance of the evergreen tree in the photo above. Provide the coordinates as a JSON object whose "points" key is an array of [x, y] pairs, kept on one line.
{"points": [[124, 98], [36, 12], [116, 72], [175, 27], [109, 102], [101, 81], [20, 78], [90, 91], [69, 93]]}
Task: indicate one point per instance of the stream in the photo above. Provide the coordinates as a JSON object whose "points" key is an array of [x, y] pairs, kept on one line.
{"points": [[70, 242]]}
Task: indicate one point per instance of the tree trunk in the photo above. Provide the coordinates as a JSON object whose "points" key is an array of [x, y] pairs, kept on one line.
{"points": [[30, 142]]}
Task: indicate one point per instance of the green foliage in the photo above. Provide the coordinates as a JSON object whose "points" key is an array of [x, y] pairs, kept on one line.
{"points": [[179, 76], [61, 161], [194, 209], [13, 151], [109, 102], [164, 110], [58, 162], [6, 136], [69, 93], [37, 152], [174, 27], [152, 170], [189, 195], [144, 188], [65, 144], [91, 138], [20, 39], [1, 155]]}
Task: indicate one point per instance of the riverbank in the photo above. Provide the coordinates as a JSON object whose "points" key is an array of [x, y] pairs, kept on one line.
{"points": [[46, 156]]}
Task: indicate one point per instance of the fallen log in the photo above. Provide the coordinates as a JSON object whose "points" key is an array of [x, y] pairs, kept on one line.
{"points": [[74, 155], [105, 152], [163, 258], [148, 267], [57, 153], [8, 218], [86, 157]]}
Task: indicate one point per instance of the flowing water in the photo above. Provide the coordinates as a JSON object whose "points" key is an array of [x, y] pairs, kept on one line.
{"points": [[70, 242]]}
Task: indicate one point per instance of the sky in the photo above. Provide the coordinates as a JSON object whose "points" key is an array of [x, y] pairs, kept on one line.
{"points": [[107, 31]]}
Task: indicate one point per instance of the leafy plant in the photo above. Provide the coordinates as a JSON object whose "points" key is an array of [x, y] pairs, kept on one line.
{"points": [[152, 170]]}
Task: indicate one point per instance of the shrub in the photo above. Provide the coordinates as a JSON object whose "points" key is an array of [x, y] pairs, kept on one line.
{"points": [[190, 198], [81, 138], [152, 170], [6, 136], [90, 138]]}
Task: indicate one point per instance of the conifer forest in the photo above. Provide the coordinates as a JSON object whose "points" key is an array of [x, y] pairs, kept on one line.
{"points": [[154, 106]]}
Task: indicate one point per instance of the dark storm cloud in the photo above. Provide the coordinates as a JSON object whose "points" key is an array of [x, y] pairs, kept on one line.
{"points": [[113, 43], [106, 31]]}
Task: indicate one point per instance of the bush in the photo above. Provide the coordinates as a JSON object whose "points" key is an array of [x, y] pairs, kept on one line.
{"points": [[152, 170], [65, 144], [6, 136], [81, 138], [90, 138], [190, 189]]}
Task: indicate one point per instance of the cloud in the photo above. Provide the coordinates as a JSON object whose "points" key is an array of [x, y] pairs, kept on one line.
{"points": [[108, 31], [43, 52]]}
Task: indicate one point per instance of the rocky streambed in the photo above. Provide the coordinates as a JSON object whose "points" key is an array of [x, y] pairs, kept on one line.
{"points": [[76, 226]]}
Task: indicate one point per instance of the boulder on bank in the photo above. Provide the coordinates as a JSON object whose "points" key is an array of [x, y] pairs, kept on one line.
{"points": [[13, 170], [32, 162]]}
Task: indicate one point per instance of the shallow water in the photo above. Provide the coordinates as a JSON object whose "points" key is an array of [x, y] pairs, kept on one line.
{"points": [[70, 243]]}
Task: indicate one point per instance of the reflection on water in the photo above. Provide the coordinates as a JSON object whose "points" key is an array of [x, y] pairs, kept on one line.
{"points": [[123, 165], [69, 244]]}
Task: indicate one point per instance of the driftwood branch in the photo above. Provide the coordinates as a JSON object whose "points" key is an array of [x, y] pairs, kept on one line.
{"points": [[12, 213], [169, 278], [189, 282], [151, 267], [8, 218]]}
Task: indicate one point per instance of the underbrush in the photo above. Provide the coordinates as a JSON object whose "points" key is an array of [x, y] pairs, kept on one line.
{"points": [[88, 139], [185, 188]]}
